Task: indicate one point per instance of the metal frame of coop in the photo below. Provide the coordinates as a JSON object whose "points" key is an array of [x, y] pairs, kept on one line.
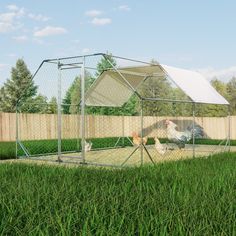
{"points": [[82, 66]]}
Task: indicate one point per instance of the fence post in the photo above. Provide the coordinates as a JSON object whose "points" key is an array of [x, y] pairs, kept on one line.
{"points": [[59, 113], [193, 128], [17, 136], [83, 111]]}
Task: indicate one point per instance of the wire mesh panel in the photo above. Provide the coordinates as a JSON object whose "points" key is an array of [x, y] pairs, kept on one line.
{"points": [[109, 138], [106, 110], [37, 132]]}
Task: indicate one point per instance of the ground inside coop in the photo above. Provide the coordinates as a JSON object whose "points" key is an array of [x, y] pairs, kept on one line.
{"points": [[117, 156]]}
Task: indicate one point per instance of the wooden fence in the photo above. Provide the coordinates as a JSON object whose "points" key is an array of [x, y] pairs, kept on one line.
{"points": [[44, 126]]}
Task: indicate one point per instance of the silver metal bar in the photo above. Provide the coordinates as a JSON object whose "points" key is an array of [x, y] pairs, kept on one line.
{"points": [[229, 128], [166, 100], [130, 156], [133, 60], [141, 124], [51, 153], [59, 121], [31, 77], [17, 138], [78, 142], [123, 131], [123, 77], [72, 67], [78, 157], [193, 130], [74, 57], [82, 104], [117, 142], [71, 64], [149, 155], [24, 149]]}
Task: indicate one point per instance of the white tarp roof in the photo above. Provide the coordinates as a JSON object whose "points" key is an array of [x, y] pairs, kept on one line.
{"points": [[195, 86], [114, 88]]}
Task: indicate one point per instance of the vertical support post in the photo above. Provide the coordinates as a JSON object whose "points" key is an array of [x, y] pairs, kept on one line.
{"points": [[123, 131], [141, 114], [17, 134], [229, 128], [82, 104], [193, 129], [78, 128], [59, 123]]}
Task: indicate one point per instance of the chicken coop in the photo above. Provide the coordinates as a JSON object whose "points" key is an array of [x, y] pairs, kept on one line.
{"points": [[107, 110]]}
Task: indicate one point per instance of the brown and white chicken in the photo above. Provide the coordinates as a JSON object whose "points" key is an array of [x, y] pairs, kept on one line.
{"points": [[137, 140]]}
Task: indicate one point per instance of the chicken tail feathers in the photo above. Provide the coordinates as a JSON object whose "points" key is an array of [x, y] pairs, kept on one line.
{"points": [[196, 131]]}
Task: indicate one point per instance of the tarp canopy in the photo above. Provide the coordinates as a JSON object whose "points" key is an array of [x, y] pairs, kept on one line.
{"points": [[114, 87]]}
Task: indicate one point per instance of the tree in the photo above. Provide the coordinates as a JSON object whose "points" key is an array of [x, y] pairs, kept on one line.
{"points": [[231, 90], [18, 89], [220, 86], [105, 63], [37, 104], [156, 87], [72, 98], [52, 106], [66, 102], [1, 97]]}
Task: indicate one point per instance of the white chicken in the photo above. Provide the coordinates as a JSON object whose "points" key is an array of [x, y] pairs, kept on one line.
{"points": [[181, 137], [160, 147], [88, 146]]}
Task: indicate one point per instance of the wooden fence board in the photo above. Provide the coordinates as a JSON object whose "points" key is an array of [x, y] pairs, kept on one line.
{"points": [[44, 126]]}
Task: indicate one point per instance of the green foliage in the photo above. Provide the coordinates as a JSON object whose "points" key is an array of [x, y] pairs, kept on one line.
{"points": [[71, 102], [52, 106], [191, 197], [18, 89], [231, 90], [214, 110], [105, 63], [37, 104]]}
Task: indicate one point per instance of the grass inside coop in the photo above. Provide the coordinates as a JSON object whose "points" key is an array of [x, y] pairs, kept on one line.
{"points": [[35, 147]]}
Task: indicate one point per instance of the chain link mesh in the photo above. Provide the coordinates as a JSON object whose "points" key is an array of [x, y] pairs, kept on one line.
{"points": [[134, 134]]}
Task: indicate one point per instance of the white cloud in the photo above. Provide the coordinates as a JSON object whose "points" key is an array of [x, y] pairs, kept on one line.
{"points": [[3, 66], [39, 41], [21, 38], [6, 27], [93, 13], [223, 74], [12, 7], [85, 50], [9, 21], [7, 17], [75, 41], [38, 17], [49, 31], [124, 8], [13, 55], [101, 21]]}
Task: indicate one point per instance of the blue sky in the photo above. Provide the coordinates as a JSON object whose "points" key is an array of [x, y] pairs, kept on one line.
{"points": [[197, 35]]}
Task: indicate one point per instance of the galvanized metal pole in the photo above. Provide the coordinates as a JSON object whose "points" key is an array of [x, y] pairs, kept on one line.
{"points": [[59, 123], [141, 146], [123, 130], [82, 104], [17, 135], [193, 128], [229, 127]]}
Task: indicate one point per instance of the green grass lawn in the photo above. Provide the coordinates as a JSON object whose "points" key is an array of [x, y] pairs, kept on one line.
{"points": [[7, 149], [190, 197]]}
